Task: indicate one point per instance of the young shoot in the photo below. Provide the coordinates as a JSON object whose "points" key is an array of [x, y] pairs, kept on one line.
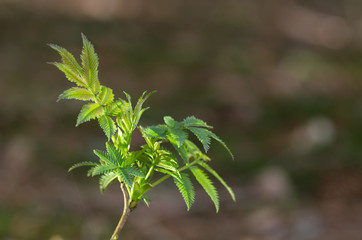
{"points": [[119, 118]]}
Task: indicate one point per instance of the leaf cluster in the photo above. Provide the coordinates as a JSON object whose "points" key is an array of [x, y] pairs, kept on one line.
{"points": [[194, 159], [155, 161]]}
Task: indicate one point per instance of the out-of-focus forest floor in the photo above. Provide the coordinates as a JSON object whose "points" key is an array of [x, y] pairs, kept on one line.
{"points": [[280, 81]]}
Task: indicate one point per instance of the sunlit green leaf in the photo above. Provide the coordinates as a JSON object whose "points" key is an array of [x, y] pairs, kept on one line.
{"points": [[82, 164], [158, 131], [88, 112], [105, 158], [134, 171], [207, 185], [76, 93], [168, 166], [70, 74], [203, 135], [182, 151], [138, 110], [112, 109], [177, 135], [169, 121], [167, 172], [217, 176], [124, 176], [90, 64], [195, 152], [108, 125], [106, 179], [105, 96], [186, 189], [102, 169], [222, 143], [68, 59], [114, 153], [192, 121]]}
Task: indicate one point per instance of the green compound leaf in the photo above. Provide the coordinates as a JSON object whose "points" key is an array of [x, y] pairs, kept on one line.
{"points": [[82, 164], [132, 157], [192, 121], [124, 176], [166, 172], [70, 74], [88, 112], [125, 119], [168, 166], [76, 93], [138, 110], [222, 143], [134, 171], [183, 152], [170, 122], [195, 152], [207, 184], [114, 154], [105, 96], [186, 189], [217, 176], [141, 100], [108, 125], [102, 169], [203, 135], [90, 64], [105, 158], [68, 59], [105, 180], [112, 109], [158, 131], [176, 135], [125, 108]]}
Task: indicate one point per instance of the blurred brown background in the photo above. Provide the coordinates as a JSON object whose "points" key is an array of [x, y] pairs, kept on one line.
{"points": [[281, 82]]}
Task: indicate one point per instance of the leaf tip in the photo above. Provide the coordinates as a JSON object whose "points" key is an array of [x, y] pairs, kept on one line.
{"points": [[52, 45], [60, 97], [83, 36], [85, 39], [53, 63]]}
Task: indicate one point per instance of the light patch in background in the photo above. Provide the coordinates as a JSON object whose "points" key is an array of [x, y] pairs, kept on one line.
{"points": [[273, 184], [318, 131], [100, 9], [312, 27], [56, 237]]}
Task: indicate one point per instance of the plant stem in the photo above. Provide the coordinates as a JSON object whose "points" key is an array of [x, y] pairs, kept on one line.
{"points": [[167, 176], [126, 212]]}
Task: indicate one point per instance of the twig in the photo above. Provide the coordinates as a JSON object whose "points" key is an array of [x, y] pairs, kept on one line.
{"points": [[126, 212]]}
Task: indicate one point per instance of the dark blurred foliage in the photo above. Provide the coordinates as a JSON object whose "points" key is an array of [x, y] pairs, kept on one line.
{"points": [[279, 80]]}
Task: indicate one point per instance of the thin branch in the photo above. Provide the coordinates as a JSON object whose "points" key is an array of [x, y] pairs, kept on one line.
{"points": [[126, 212], [187, 166]]}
